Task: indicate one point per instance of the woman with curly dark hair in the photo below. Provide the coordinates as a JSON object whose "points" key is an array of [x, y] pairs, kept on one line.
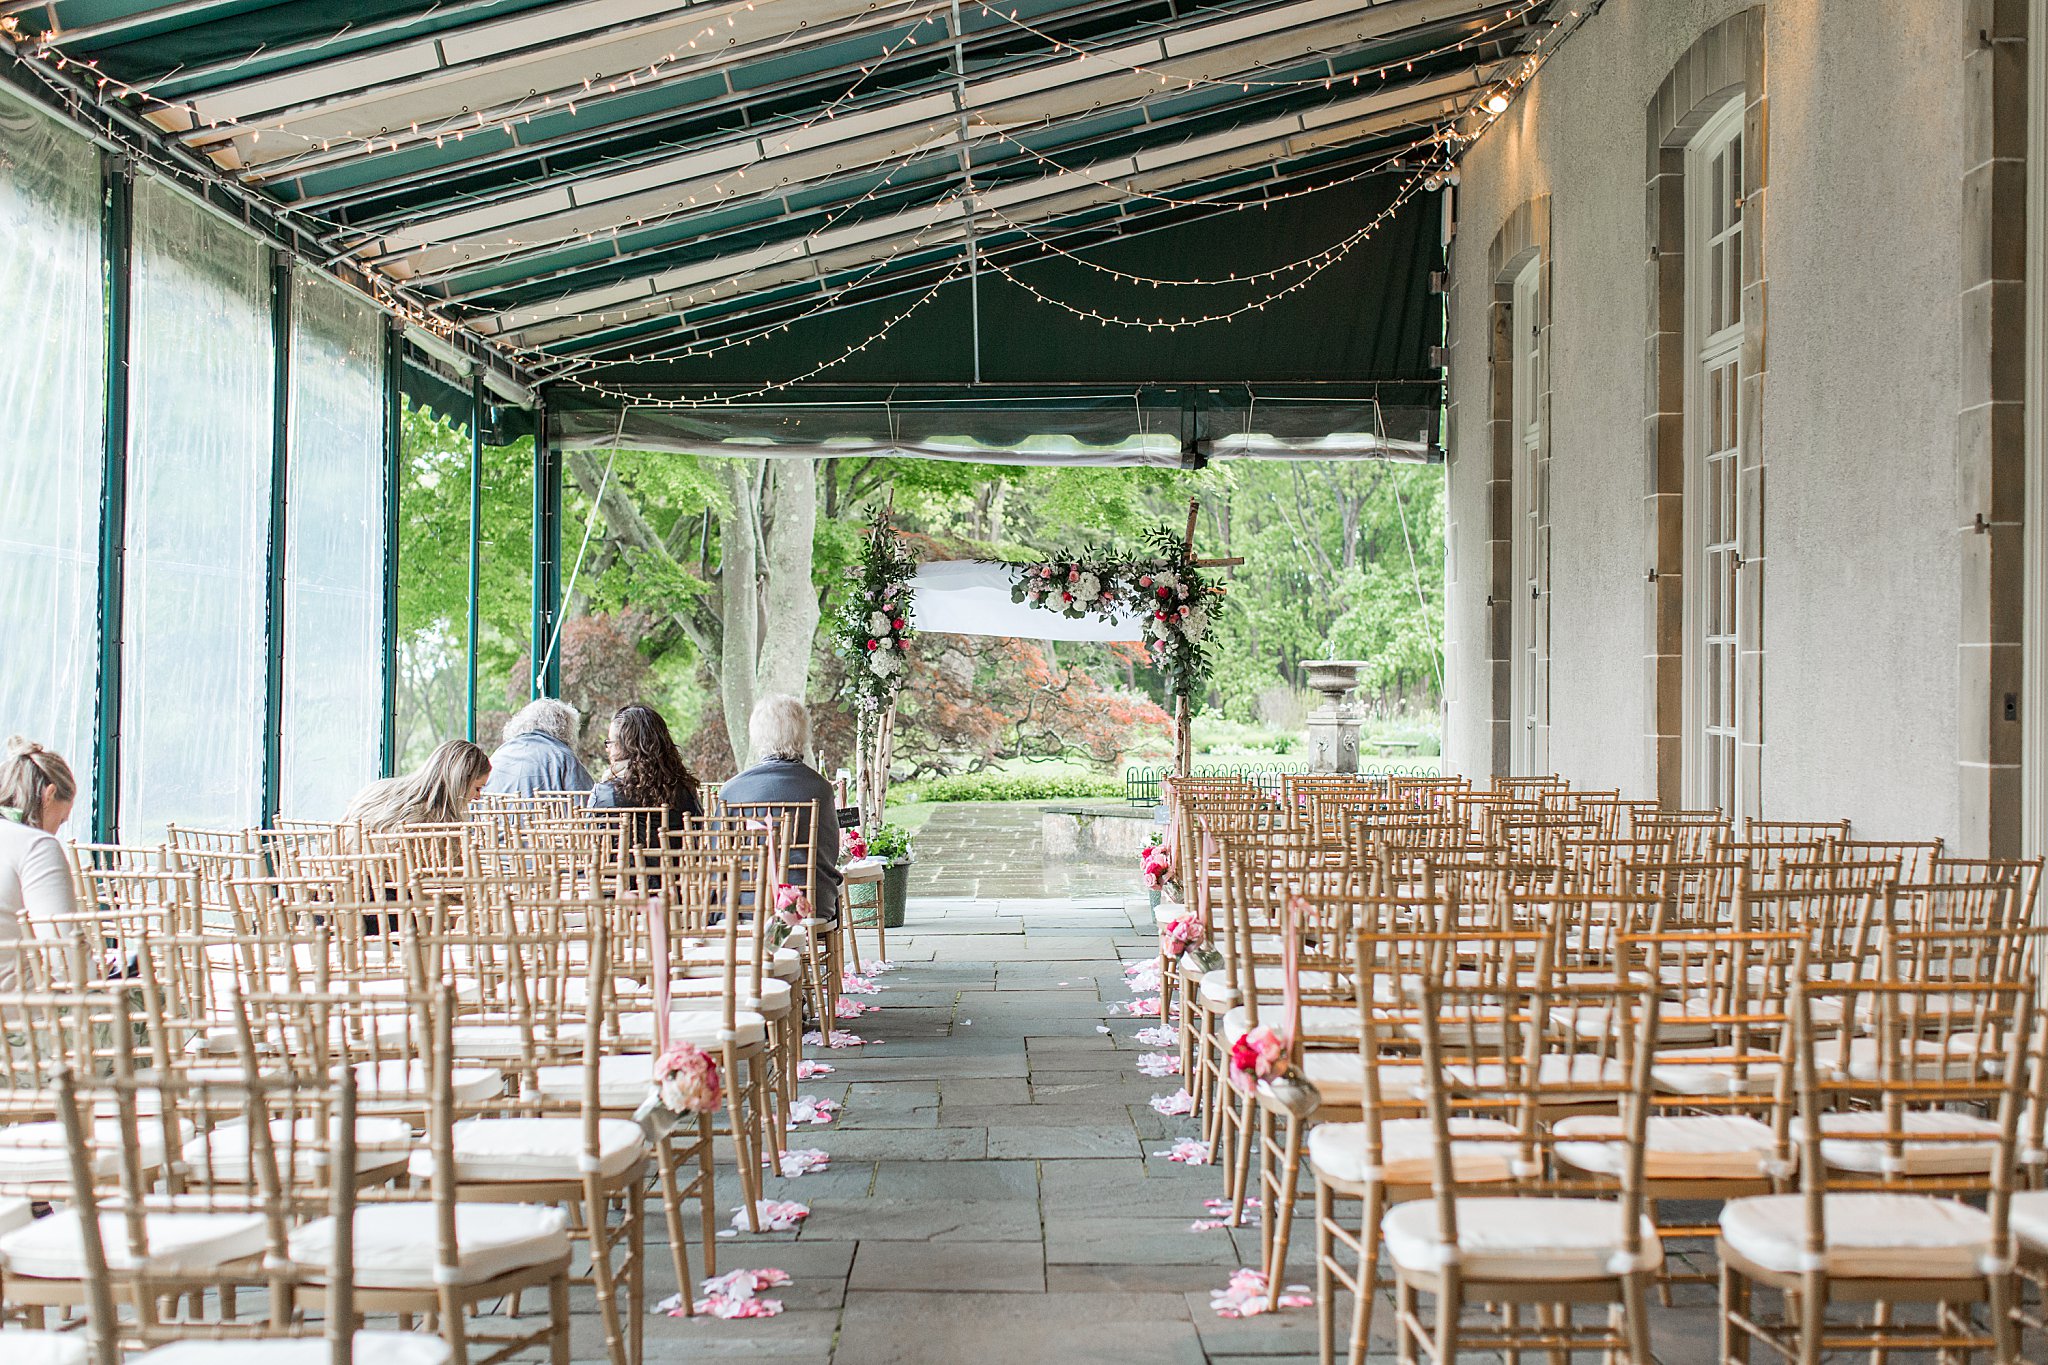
{"points": [[646, 771]]}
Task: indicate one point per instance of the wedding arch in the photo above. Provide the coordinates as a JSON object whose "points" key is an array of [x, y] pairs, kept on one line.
{"points": [[1162, 596]]}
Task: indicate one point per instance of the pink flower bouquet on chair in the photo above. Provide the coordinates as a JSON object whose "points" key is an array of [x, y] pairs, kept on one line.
{"points": [[792, 908], [1261, 1055], [686, 1080], [1155, 861]]}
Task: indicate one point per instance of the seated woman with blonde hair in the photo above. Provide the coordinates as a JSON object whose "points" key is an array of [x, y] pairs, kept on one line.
{"points": [[37, 792], [438, 793]]}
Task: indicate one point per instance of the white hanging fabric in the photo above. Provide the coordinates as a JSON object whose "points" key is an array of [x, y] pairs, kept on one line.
{"points": [[972, 597]]}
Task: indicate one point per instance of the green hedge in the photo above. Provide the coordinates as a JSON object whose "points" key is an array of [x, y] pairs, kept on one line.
{"points": [[1012, 787]]}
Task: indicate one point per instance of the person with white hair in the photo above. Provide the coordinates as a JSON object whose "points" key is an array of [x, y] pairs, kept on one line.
{"points": [[779, 733], [536, 755]]}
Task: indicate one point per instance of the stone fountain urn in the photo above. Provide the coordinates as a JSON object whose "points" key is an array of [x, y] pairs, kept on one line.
{"points": [[1333, 726]]}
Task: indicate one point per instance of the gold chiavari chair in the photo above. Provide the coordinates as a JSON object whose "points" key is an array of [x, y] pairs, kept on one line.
{"points": [[92, 1340], [447, 1254], [709, 902], [1793, 831], [1535, 1242], [794, 835], [545, 994], [171, 1237], [1845, 1239], [1383, 1156]]}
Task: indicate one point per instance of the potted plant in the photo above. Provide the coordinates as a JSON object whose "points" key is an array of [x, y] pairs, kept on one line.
{"points": [[891, 843]]}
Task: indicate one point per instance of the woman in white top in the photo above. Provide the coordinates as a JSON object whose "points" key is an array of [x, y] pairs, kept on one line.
{"points": [[37, 792]]}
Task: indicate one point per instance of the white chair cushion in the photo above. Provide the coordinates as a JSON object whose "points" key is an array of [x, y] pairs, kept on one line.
{"points": [[1868, 1236], [1317, 1021], [508, 1042], [1914, 1158], [1506, 1238], [2030, 1218], [708, 959], [179, 1244], [1676, 1147], [1217, 994], [225, 1150], [371, 1348], [697, 1026], [15, 1213], [1703, 1071], [22, 1347], [535, 1149], [776, 996], [1552, 1069], [622, 1080], [1166, 912], [396, 1244], [1336, 1151], [406, 1081], [1339, 1076], [37, 1152]]}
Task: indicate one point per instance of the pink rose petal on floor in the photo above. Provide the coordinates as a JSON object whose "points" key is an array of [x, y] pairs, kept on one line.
{"points": [[1188, 1151], [775, 1215], [1144, 1007], [1158, 1064], [1158, 1037], [810, 1109], [738, 1294], [1142, 977], [850, 984], [810, 1071], [845, 1007], [838, 1038], [1179, 1102], [1245, 1296], [1208, 1224], [880, 968], [1102, 1028], [803, 1161]]}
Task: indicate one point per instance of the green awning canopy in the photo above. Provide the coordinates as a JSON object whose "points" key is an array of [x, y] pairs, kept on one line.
{"points": [[608, 203]]}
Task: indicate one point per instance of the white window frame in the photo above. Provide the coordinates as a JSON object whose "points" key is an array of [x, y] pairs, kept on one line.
{"points": [[1713, 462], [1525, 327]]}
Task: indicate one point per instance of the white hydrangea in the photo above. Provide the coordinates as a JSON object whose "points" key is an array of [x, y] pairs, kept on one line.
{"points": [[884, 664], [1087, 588], [1165, 579], [1197, 624], [878, 624]]}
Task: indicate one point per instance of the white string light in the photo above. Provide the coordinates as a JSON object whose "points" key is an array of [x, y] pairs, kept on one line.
{"points": [[1246, 84], [1334, 255], [653, 401]]}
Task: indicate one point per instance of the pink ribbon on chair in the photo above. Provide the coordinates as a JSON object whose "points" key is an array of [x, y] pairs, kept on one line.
{"points": [[1290, 960], [657, 947]]}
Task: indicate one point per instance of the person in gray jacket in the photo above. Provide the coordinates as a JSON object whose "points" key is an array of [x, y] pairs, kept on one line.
{"points": [[779, 732], [536, 755]]}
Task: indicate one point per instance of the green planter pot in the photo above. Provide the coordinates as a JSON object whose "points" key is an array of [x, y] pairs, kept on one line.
{"points": [[895, 891]]}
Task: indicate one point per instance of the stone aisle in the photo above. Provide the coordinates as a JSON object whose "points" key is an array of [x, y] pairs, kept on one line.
{"points": [[995, 1192]]}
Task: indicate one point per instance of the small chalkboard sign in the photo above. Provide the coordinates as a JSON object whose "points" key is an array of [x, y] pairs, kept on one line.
{"points": [[849, 817]]}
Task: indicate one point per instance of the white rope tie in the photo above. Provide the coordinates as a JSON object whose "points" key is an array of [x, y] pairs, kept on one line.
{"points": [[586, 1164], [2034, 1156], [1990, 1263], [1812, 1262], [726, 1035], [1523, 1169], [446, 1275], [1779, 1170]]}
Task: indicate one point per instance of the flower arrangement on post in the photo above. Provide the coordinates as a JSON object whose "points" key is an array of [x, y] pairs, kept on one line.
{"points": [[874, 618], [1163, 583], [792, 908], [1075, 588]]}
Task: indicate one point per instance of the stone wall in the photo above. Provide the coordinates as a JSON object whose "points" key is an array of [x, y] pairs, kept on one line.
{"points": [[1857, 283]]}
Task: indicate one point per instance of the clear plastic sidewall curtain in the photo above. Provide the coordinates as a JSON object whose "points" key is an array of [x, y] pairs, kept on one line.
{"points": [[334, 552], [198, 519], [52, 313]]}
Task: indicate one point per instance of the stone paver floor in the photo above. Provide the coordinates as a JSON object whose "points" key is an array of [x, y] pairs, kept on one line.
{"points": [[994, 1193]]}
